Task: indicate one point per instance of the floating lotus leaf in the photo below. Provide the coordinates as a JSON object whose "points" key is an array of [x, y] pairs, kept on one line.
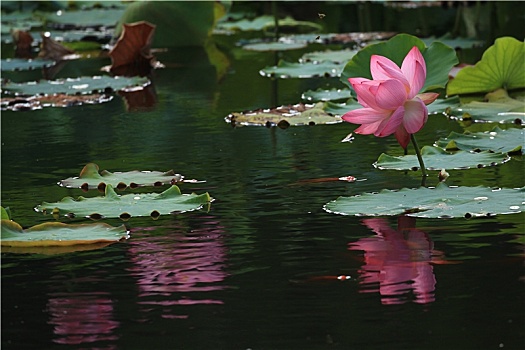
{"points": [[497, 140], [285, 70], [456, 43], [267, 23], [500, 67], [439, 202], [339, 109], [436, 159], [58, 100], [85, 18], [340, 38], [274, 46], [443, 105], [326, 95], [90, 178], [499, 108], [340, 56], [284, 116], [112, 205], [439, 59], [16, 64], [83, 85], [60, 234]]}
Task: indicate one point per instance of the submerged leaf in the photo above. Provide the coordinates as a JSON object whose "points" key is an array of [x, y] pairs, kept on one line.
{"points": [[284, 116], [90, 178], [60, 234], [126, 206], [497, 140], [436, 159], [439, 202], [500, 67]]}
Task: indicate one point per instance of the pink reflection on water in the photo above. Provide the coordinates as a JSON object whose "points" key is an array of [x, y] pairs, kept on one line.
{"points": [[398, 260], [82, 318], [178, 263]]}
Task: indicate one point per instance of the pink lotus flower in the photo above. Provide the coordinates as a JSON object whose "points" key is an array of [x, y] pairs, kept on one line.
{"points": [[391, 101]]}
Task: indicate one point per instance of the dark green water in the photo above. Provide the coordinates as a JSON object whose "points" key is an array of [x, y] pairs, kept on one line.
{"points": [[260, 269]]}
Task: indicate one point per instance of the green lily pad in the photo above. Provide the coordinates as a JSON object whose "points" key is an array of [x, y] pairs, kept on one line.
{"points": [[439, 202], [439, 59], [326, 95], [284, 116], [274, 46], [499, 108], [436, 159], [456, 43], [338, 109], [60, 234], [286, 70], [340, 38], [268, 23], [497, 140], [339, 56], [443, 105], [83, 85], [16, 64], [112, 205], [90, 178], [85, 18], [500, 67]]}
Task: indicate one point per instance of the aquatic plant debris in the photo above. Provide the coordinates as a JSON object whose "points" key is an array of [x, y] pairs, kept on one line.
{"points": [[90, 178], [441, 202], [437, 159], [126, 206]]}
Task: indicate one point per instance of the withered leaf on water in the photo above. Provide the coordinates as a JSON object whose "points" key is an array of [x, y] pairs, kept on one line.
{"points": [[22, 41], [52, 50]]}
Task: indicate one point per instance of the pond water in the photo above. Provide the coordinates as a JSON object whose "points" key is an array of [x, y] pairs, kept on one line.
{"points": [[265, 267]]}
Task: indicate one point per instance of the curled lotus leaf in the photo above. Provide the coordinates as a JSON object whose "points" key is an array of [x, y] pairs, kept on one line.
{"points": [[82, 85], [90, 177], [111, 205], [17, 64], [326, 95], [284, 116], [436, 158], [287, 70], [56, 234], [497, 140], [439, 202], [335, 56]]}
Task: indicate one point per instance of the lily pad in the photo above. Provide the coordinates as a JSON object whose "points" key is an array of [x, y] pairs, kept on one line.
{"points": [[497, 140], [60, 234], [90, 178], [500, 67], [286, 70], [17, 64], [83, 85], [267, 23], [436, 159], [499, 108], [326, 95], [439, 59], [456, 43], [284, 116], [112, 205], [335, 56], [340, 38], [274, 46], [443, 105], [58, 100], [439, 202], [86, 18]]}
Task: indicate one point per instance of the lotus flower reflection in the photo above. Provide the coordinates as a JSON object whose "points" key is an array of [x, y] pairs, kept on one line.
{"points": [[391, 101]]}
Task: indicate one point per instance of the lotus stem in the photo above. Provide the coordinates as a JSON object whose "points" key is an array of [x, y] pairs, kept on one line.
{"points": [[419, 157]]}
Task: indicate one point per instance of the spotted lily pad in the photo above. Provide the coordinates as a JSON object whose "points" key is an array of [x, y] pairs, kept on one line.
{"points": [[90, 178], [284, 116], [60, 234], [83, 85], [17, 64], [497, 140], [500, 67], [112, 205], [326, 95], [439, 202], [436, 159], [286, 70]]}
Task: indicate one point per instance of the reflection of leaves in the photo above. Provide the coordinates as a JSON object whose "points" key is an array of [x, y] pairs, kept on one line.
{"points": [[496, 140], [436, 159], [500, 67], [90, 177], [59, 234], [439, 202], [126, 206], [284, 116]]}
